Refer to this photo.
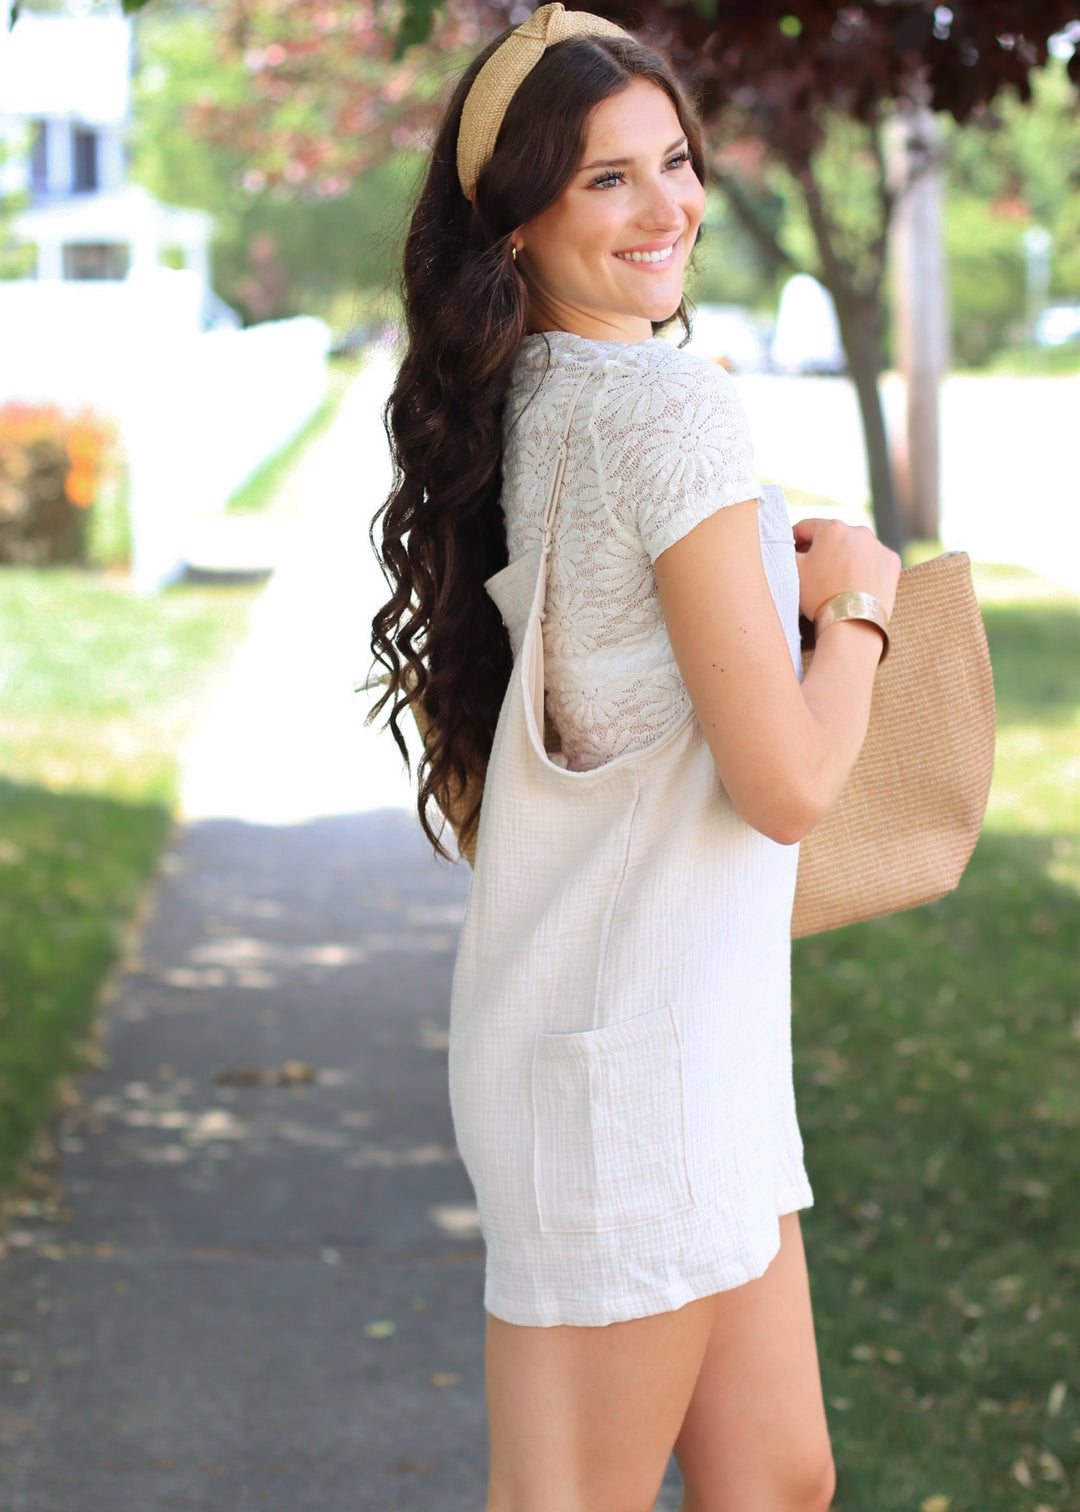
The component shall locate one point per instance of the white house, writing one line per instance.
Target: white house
(65, 101)
(108, 319)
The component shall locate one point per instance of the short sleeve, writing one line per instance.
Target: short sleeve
(673, 445)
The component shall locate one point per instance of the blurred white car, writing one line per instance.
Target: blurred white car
(1058, 325)
(807, 334)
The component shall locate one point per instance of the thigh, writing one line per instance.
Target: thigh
(583, 1419)
(755, 1438)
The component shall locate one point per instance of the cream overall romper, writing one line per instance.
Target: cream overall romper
(620, 1056)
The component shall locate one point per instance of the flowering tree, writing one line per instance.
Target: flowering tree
(311, 94)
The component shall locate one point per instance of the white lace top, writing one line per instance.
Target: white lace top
(659, 442)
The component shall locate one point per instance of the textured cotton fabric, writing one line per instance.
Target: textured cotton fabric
(620, 1058)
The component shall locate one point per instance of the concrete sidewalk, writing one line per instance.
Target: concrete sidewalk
(283, 739)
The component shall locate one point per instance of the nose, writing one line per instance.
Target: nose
(660, 209)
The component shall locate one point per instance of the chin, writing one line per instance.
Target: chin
(663, 310)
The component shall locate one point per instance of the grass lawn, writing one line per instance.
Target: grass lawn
(97, 687)
(938, 1072)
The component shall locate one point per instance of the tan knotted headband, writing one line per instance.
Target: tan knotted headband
(502, 75)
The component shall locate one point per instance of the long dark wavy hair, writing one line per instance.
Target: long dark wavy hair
(438, 640)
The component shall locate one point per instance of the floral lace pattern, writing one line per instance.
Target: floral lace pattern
(658, 443)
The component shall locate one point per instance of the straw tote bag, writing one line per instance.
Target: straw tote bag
(907, 820)
(909, 815)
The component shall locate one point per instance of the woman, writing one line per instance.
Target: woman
(620, 1025)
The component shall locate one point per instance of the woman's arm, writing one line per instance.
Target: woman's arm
(783, 749)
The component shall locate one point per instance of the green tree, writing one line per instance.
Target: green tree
(279, 247)
(1014, 167)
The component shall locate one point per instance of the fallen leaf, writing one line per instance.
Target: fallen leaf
(863, 1352)
(296, 1071)
(1056, 1400)
(289, 1073)
(445, 1378)
(382, 1328)
(935, 1504)
(1051, 1468)
(840, 1403)
(1022, 1473)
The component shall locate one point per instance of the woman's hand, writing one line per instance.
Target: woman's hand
(836, 558)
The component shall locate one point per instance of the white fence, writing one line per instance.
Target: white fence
(197, 411)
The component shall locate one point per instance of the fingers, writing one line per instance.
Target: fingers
(804, 531)
(837, 558)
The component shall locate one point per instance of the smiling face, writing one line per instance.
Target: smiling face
(606, 259)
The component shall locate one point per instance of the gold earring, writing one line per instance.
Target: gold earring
(513, 252)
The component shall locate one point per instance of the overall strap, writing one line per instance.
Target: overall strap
(555, 491)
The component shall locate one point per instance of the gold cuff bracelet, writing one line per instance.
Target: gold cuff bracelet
(863, 606)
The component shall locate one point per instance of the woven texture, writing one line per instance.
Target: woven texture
(502, 75)
(909, 815)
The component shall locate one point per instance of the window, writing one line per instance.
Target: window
(84, 160)
(93, 260)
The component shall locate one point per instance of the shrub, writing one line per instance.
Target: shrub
(52, 467)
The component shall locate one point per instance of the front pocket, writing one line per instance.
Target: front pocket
(610, 1147)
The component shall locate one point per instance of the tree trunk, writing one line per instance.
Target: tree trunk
(860, 321)
(920, 317)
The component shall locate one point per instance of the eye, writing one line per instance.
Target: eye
(609, 180)
(678, 160)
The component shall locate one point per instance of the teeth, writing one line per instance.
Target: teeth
(650, 257)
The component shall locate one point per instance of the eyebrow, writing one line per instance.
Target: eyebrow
(624, 161)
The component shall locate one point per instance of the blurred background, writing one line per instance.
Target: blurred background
(202, 205)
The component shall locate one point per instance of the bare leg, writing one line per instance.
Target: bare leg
(583, 1419)
(755, 1437)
